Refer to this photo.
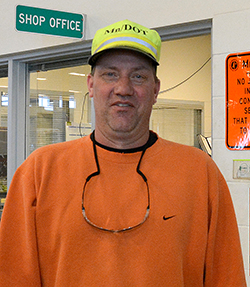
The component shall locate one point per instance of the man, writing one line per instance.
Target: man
(121, 207)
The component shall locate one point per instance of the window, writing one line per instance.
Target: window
(185, 97)
(59, 106)
(3, 140)
(178, 121)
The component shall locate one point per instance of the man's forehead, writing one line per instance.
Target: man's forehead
(115, 56)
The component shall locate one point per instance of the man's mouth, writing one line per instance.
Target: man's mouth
(123, 105)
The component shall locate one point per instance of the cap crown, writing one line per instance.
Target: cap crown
(127, 35)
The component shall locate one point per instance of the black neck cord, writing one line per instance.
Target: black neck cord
(98, 166)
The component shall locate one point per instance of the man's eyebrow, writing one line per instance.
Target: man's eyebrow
(107, 67)
(136, 68)
(142, 67)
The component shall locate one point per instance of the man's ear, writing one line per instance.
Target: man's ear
(157, 89)
(90, 85)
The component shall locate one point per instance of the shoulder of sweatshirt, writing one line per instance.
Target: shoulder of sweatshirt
(61, 148)
(58, 152)
(178, 150)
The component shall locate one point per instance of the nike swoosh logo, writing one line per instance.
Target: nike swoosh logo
(168, 217)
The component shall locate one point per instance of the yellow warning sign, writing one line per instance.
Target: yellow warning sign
(238, 101)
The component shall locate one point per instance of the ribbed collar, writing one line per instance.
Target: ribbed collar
(151, 140)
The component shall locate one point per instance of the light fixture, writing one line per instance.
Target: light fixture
(72, 102)
(77, 74)
(75, 92)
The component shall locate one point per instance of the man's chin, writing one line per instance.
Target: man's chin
(122, 128)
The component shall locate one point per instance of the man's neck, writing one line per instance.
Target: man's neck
(121, 141)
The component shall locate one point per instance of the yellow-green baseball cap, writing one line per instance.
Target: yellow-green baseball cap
(126, 35)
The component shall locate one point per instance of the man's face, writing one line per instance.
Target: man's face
(124, 88)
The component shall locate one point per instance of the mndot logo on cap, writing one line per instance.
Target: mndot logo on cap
(126, 35)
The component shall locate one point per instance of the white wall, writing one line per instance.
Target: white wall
(231, 26)
(155, 13)
(230, 35)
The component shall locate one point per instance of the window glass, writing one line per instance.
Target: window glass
(184, 104)
(3, 140)
(178, 122)
(59, 107)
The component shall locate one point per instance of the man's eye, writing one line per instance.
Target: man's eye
(109, 75)
(138, 78)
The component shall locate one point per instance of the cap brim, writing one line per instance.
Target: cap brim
(93, 59)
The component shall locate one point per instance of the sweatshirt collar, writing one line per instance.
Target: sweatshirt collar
(151, 140)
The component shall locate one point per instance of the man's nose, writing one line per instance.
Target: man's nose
(124, 87)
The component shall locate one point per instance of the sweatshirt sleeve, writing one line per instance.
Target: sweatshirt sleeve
(224, 264)
(19, 264)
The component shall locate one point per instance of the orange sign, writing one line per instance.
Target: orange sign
(238, 101)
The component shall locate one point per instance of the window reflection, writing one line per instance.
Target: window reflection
(59, 108)
(3, 140)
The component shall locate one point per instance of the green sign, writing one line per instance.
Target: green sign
(50, 22)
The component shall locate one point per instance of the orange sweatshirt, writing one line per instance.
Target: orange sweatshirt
(189, 239)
